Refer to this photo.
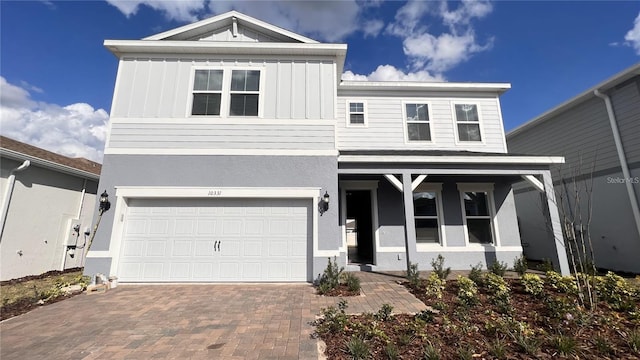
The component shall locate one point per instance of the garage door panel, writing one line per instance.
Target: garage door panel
(173, 240)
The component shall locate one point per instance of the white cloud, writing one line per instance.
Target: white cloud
(391, 73)
(183, 10)
(372, 28)
(632, 38)
(439, 52)
(76, 130)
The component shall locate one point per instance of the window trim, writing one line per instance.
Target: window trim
(436, 188)
(456, 122)
(348, 113)
(225, 99)
(489, 189)
(406, 123)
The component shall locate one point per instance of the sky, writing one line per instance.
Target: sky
(57, 79)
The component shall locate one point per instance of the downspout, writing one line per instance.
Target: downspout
(621, 156)
(7, 196)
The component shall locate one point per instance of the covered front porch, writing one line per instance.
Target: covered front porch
(401, 207)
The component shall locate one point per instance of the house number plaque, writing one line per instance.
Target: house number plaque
(214, 192)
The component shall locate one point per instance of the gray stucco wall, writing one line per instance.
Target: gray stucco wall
(615, 241)
(221, 171)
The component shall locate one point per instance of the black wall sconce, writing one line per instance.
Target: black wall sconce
(104, 202)
(324, 203)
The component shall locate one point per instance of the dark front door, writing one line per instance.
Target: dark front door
(359, 227)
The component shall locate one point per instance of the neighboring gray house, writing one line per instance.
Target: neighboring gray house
(598, 133)
(48, 201)
(236, 153)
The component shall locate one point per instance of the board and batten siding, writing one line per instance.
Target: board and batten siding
(152, 109)
(626, 106)
(385, 128)
(582, 134)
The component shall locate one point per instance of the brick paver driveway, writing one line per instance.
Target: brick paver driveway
(240, 321)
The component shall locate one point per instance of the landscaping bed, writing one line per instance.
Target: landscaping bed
(19, 296)
(493, 318)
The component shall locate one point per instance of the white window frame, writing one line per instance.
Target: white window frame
(348, 113)
(456, 122)
(406, 122)
(493, 222)
(225, 101)
(437, 189)
(193, 91)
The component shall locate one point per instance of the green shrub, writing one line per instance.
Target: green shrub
(533, 284)
(413, 275)
(358, 348)
(464, 353)
(526, 343)
(498, 349)
(330, 278)
(430, 352)
(615, 290)
(352, 281)
(391, 350)
(438, 267)
(546, 265)
(476, 274)
(498, 267)
(633, 340)
(560, 307)
(385, 313)
(435, 285)
(333, 319)
(520, 265)
(566, 345)
(499, 290)
(565, 284)
(425, 315)
(467, 291)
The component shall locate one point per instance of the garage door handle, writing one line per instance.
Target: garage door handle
(219, 243)
(215, 246)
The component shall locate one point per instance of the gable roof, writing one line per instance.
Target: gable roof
(603, 87)
(17, 150)
(230, 19)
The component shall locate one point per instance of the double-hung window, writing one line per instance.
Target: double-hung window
(468, 122)
(207, 92)
(245, 92)
(478, 214)
(417, 118)
(356, 113)
(426, 209)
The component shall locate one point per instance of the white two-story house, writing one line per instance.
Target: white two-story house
(236, 153)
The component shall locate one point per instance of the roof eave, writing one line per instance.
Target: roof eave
(498, 88)
(511, 160)
(48, 164)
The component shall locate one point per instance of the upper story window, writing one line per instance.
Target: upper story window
(417, 118)
(207, 92)
(478, 215)
(215, 90)
(468, 122)
(245, 92)
(356, 113)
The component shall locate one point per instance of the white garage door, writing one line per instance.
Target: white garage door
(180, 240)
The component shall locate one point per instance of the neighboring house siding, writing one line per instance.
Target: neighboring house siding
(385, 125)
(161, 87)
(626, 105)
(580, 134)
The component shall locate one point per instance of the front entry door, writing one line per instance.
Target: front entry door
(359, 227)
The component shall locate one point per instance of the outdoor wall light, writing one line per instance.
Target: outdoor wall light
(324, 203)
(104, 202)
(71, 250)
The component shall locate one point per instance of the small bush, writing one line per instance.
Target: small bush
(476, 274)
(385, 313)
(425, 315)
(333, 319)
(438, 267)
(633, 340)
(499, 290)
(533, 284)
(467, 291)
(435, 286)
(413, 275)
(352, 281)
(357, 348)
(603, 345)
(526, 344)
(520, 265)
(498, 349)
(615, 290)
(546, 265)
(430, 352)
(330, 279)
(391, 350)
(498, 267)
(560, 307)
(565, 284)
(464, 353)
(566, 345)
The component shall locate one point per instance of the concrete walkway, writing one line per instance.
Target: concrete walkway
(239, 321)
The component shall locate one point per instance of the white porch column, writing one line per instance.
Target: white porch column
(409, 222)
(556, 225)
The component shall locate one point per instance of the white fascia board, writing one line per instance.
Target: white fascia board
(119, 47)
(214, 192)
(525, 160)
(603, 86)
(228, 15)
(423, 86)
(49, 164)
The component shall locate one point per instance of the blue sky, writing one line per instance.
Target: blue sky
(57, 79)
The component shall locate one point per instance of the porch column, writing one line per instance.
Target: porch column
(556, 225)
(409, 222)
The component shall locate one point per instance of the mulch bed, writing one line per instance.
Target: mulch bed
(41, 276)
(459, 332)
(341, 290)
